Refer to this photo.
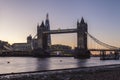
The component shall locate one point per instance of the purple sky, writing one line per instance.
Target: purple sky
(19, 18)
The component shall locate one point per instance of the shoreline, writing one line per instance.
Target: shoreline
(106, 72)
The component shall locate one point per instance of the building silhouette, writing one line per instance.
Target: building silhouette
(25, 46)
(82, 36)
(44, 40)
(81, 51)
(47, 25)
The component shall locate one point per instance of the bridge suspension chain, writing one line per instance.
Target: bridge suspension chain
(102, 43)
(35, 36)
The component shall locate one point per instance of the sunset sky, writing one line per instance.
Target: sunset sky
(19, 18)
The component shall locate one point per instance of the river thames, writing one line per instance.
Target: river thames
(27, 64)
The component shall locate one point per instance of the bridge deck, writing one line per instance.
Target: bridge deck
(60, 31)
(104, 49)
(88, 49)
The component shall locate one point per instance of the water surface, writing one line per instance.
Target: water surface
(27, 64)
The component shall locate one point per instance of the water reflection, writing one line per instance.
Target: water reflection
(81, 62)
(42, 64)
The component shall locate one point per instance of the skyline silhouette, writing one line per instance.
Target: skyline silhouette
(19, 18)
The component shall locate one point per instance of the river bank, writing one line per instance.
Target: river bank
(110, 72)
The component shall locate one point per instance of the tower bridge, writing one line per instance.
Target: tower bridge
(81, 51)
(43, 37)
(42, 40)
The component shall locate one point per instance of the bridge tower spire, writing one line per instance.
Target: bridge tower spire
(82, 20)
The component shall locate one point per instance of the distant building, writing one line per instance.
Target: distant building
(47, 25)
(31, 44)
(29, 39)
(41, 41)
(2, 44)
(60, 47)
(21, 47)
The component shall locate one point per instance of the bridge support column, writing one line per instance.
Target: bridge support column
(102, 55)
(82, 51)
(116, 53)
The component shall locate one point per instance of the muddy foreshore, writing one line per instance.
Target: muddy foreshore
(111, 72)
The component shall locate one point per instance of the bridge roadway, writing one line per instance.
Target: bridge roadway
(104, 49)
(60, 31)
(88, 49)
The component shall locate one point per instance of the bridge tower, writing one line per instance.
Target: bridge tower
(81, 34)
(82, 51)
(42, 45)
(42, 38)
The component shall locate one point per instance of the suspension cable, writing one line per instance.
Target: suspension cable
(101, 43)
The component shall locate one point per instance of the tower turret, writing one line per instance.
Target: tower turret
(82, 20)
(29, 39)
